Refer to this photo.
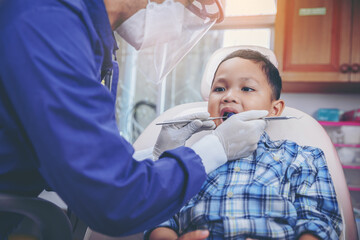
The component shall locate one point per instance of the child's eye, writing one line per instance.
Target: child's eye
(247, 89)
(219, 89)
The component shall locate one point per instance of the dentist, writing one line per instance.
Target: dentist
(57, 121)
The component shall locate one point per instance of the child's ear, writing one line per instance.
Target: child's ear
(277, 107)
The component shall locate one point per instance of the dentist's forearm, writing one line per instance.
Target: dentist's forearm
(211, 152)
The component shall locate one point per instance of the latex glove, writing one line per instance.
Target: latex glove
(175, 135)
(235, 138)
(240, 133)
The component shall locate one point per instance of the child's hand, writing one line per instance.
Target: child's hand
(195, 235)
(163, 233)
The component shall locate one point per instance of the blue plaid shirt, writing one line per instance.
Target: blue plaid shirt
(279, 192)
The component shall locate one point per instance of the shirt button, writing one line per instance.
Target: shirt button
(230, 194)
(276, 158)
(237, 169)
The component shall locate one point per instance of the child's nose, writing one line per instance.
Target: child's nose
(230, 97)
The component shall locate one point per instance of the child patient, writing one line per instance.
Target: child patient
(281, 191)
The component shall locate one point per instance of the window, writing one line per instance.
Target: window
(248, 22)
(259, 36)
(249, 7)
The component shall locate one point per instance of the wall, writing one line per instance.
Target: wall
(309, 103)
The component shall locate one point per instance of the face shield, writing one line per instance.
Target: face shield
(164, 33)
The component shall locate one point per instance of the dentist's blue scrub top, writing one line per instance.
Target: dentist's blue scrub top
(57, 122)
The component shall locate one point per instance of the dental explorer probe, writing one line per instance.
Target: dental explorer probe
(213, 118)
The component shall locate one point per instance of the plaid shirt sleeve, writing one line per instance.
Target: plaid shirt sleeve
(315, 201)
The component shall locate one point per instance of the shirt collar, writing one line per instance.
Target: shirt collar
(273, 144)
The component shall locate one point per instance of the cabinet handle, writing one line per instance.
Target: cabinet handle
(344, 68)
(355, 67)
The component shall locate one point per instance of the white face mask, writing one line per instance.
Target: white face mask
(132, 30)
(164, 33)
(145, 27)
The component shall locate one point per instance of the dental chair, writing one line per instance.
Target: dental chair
(305, 131)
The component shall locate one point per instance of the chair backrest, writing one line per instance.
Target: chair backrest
(305, 131)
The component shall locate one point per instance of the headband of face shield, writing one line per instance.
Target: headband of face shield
(164, 33)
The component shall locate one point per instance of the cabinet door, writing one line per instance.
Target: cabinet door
(313, 39)
(355, 43)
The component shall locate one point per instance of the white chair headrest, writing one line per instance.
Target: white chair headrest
(219, 55)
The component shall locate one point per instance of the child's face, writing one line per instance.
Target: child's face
(241, 85)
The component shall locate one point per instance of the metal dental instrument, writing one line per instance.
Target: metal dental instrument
(187, 121)
(281, 118)
(213, 118)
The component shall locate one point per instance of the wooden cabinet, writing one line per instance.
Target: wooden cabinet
(318, 41)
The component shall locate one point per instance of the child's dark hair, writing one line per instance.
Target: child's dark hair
(269, 69)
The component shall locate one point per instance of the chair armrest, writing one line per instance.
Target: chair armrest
(51, 220)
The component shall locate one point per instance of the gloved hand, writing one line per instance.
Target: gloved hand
(175, 135)
(240, 133)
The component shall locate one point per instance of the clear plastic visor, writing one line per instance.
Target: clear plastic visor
(165, 46)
